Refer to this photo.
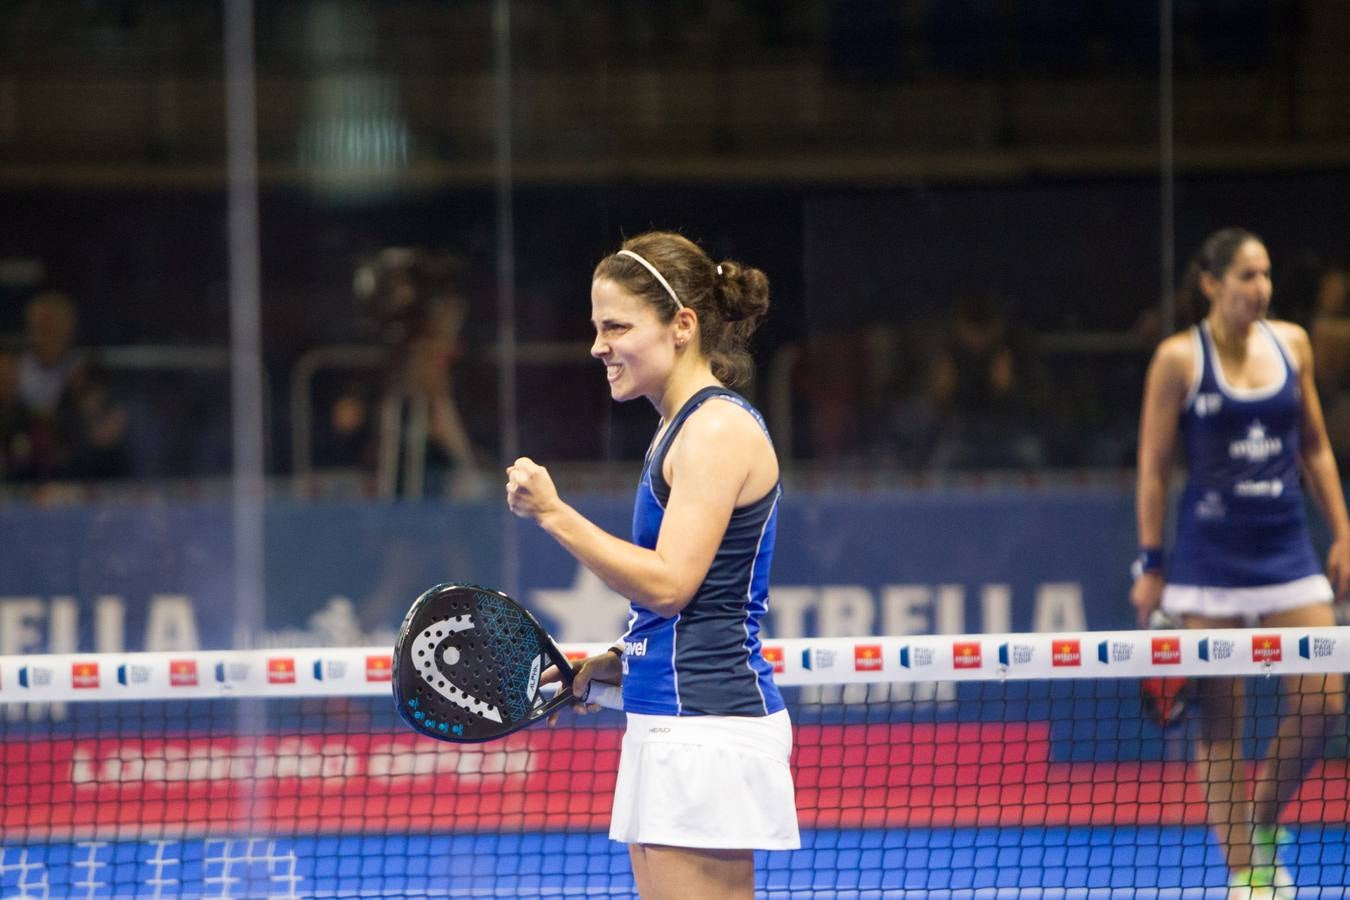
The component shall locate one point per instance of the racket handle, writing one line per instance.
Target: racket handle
(610, 696)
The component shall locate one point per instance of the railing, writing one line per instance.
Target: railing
(403, 419)
(403, 416)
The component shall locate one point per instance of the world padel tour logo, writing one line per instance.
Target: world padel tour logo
(1110, 652)
(914, 657)
(1214, 649)
(84, 675)
(1166, 651)
(34, 677)
(231, 672)
(1266, 648)
(182, 673)
(867, 658)
(774, 656)
(1067, 652)
(281, 670)
(967, 655)
(817, 658)
(1310, 647)
(380, 668)
(1015, 654)
(128, 674)
(330, 670)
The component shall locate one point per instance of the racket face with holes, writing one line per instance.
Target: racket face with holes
(467, 665)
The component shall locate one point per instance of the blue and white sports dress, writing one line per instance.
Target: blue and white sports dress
(1241, 524)
(706, 659)
(705, 757)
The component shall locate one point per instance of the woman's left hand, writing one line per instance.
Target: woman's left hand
(529, 489)
(1338, 567)
(606, 667)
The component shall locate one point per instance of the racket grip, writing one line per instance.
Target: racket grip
(610, 696)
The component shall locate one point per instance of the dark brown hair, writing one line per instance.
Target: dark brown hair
(1213, 256)
(729, 305)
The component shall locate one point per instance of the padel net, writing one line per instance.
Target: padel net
(1013, 765)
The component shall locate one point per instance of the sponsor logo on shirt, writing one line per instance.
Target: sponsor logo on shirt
(1272, 488)
(1211, 506)
(1066, 652)
(1208, 404)
(1257, 446)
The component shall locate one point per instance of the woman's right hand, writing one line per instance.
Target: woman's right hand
(1146, 596)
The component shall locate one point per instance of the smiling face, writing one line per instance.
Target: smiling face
(637, 348)
(1241, 295)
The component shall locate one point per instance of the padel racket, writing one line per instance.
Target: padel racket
(467, 664)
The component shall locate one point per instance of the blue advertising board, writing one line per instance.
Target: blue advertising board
(160, 576)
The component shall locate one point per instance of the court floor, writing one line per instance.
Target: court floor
(941, 864)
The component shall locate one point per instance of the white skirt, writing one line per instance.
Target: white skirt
(712, 782)
(1247, 603)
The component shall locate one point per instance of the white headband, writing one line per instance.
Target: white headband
(655, 274)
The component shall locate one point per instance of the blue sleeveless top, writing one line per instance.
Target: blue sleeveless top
(1241, 521)
(706, 659)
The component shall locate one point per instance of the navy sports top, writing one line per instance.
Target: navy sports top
(1241, 522)
(706, 659)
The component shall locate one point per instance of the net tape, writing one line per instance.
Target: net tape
(365, 671)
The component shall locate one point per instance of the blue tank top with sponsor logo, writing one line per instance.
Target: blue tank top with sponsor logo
(706, 659)
(1241, 521)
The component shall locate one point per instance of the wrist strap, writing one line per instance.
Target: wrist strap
(1150, 559)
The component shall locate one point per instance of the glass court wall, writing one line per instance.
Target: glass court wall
(325, 267)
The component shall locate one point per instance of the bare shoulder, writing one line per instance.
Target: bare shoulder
(1293, 335)
(723, 422)
(725, 437)
(1174, 359)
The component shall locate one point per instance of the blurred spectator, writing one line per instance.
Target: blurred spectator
(16, 424)
(1330, 336)
(51, 358)
(982, 388)
(73, 428)
(93, 428)
(415, 298)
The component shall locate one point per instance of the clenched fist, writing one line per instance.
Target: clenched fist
(529, 489)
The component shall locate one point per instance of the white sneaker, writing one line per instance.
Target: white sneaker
(1262, 883)
(1267, 842)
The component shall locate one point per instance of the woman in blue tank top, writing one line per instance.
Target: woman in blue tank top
(704, 776)
(1236, 391)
